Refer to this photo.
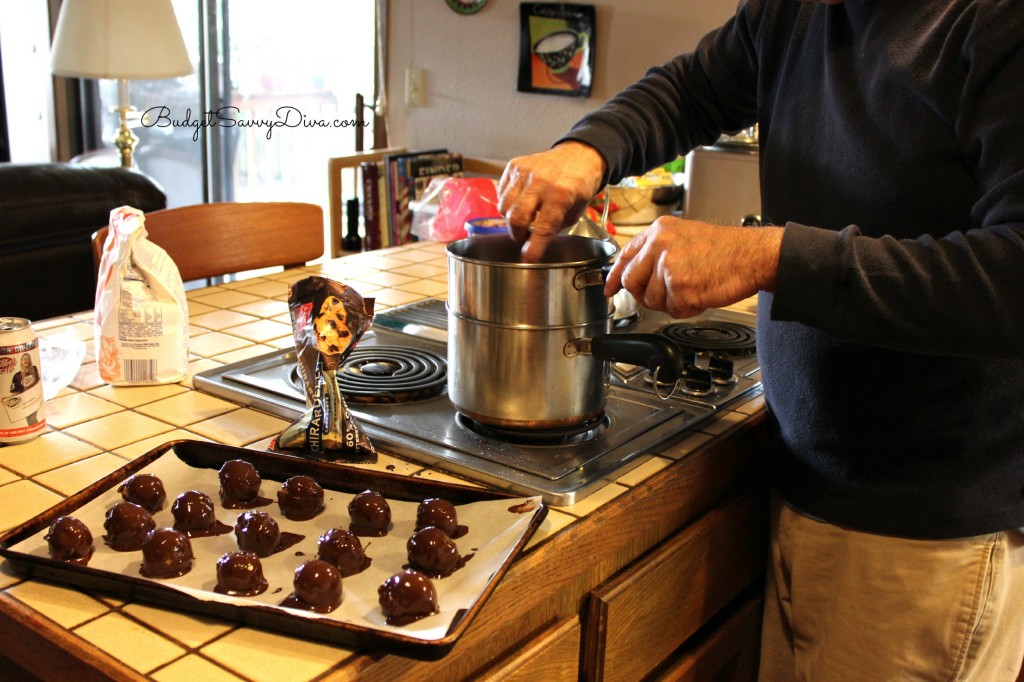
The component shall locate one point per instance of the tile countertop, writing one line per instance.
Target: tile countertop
(94, 429)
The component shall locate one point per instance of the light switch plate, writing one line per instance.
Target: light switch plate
(414, 94)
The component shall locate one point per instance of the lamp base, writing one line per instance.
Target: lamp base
(126, 139)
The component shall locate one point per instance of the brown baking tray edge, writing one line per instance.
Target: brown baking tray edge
(271, 465)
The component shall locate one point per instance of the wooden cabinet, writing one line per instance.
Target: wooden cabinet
(728, 652)
(635, 621)
(552, 656)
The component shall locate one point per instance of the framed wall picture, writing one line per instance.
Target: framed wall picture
(466, 6)
(556, 48)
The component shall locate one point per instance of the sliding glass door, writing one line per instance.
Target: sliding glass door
(272, 98)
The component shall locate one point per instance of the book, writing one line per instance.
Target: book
(374, 222)
(398, 185)
(422, 169)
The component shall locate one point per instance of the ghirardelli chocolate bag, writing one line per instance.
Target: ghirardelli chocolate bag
(328, 319)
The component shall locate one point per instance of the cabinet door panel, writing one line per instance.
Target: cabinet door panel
(553, 656)
(636, 620)
(728, 654)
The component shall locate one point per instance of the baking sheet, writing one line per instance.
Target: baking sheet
(498, 527)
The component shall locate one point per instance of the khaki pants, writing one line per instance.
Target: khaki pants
(844, 606)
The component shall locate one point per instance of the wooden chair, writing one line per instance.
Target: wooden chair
(336, 172)
(213, 240)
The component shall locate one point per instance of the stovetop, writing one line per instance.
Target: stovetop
(563, 470)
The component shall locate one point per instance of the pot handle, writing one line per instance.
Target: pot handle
(591, 278)
(652, 351)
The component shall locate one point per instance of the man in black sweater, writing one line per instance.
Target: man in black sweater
(890, 276)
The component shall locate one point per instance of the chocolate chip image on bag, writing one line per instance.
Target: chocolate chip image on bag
(328, 319)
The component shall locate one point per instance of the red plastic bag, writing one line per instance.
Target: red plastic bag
(463, 199)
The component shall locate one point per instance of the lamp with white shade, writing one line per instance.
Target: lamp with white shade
(121, 40)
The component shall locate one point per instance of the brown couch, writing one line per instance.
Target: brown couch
(48, 213)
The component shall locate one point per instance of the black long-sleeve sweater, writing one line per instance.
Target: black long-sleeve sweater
(892, 150)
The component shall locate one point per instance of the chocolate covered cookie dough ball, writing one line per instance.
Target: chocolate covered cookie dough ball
(239, 483)
(240, 574)
(431, 551)
(166, 553)
(301, 498)
(127, 525)
(406, 597)
(193, 511)
(369, 514)
(343, 549)
(69, 539)
(257, 532)
(318, 585)
(440, 514)
(145, 490)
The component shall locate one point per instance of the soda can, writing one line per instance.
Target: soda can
(23, 413)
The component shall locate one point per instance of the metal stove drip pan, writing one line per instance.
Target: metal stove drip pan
(429, 432)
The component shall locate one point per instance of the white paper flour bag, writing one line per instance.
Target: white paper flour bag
(141, 316)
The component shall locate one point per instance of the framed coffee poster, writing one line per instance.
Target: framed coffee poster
(556, 48)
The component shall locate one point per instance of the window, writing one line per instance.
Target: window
(273, 96)
(25, 86)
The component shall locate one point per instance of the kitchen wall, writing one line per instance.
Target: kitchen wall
(470, 64)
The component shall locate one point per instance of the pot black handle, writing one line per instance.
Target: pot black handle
(652, 351)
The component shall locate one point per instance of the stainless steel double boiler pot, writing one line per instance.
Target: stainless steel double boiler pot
(529, 343)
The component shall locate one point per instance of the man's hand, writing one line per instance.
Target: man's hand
(542, 193)
(684, 267)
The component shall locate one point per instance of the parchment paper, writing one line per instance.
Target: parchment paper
(494, 530)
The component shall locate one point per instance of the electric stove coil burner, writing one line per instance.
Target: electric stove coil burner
(578, 433)
(716, 336)
(391, 374)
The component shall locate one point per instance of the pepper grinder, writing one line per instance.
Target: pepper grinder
(352, 241)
